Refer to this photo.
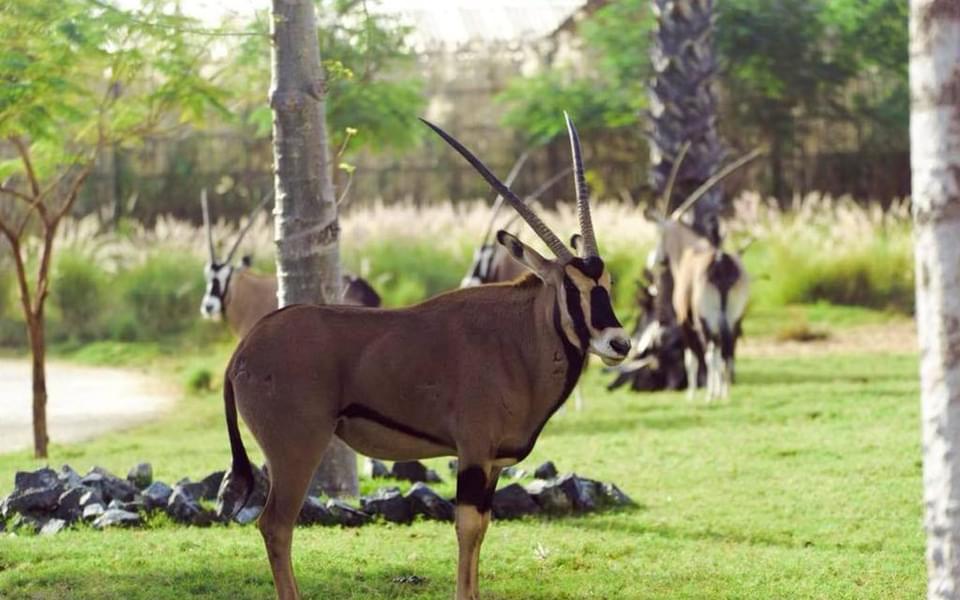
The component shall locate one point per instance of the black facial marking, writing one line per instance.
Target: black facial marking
(472, 489)
(591, 266)
(601, 309)
(359, 411)
(575, 310)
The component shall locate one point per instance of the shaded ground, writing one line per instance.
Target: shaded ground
(83, 401)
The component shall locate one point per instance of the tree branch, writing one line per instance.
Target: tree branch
(27, 164)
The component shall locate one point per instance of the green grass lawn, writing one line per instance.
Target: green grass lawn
(806, 484)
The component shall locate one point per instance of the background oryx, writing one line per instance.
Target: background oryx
(710, 292)
(474, 373)
(242, 297)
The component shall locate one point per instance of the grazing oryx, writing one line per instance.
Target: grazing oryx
(242, 297)
(473, 373)
(710, 293)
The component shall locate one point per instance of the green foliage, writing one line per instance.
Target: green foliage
(407, 271)
(609, 94)
(372, 83)
(79, 293)
(163, 294)
(199, 379)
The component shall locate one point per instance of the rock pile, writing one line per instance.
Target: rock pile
(47, 501)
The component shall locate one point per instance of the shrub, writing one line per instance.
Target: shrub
(78, 292)
(199, 379)
(163, 294)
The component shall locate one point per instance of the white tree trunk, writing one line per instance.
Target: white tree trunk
(307, 229)
(935, 161)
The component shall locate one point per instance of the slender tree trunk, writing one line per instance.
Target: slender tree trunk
(935, 162)
(683, 105)
(307, 229)
(35, 331)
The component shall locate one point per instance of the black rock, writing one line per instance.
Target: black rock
(68, 477)
(512, 502)
(584, 494)
(141, 475)
(90, 496)
(183, 508)
(69, 507)
(53, 526)
(547, 470)
(92, 511)
(313, 512)
(211, 484)
(412, 470)
(390, 504)
(233, 491)
(109, 485)
(32, 523)
(376, 469)
(433, 477)
(346, 515)
(34, 492)
(195, 490)
(157, 495)
(611, 495)
(550, 498)
(426, 502)
(116, 517)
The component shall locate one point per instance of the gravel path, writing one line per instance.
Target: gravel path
(83, 402)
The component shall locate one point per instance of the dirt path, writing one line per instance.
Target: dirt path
(83, 401)
(897, 337)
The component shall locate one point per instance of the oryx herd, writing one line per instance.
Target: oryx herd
(473, 373)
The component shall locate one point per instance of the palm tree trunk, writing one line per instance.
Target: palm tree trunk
(307, 228)
(683, 105)
(935, 163)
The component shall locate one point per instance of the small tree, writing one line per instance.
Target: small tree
(78, 76)
(935, 162)
(307, 229)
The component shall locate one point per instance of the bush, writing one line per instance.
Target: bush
(78, 292)
(408, 270)
(163, 294)
(199, 379)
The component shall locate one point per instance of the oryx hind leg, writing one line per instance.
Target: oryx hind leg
(476, 483)
(293, 452)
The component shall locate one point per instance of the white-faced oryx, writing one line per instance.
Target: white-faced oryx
(473, 373)
(243, 297)
(710, 292)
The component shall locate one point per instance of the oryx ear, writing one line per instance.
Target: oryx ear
(576, 242)
(523, 254)
(246, 261)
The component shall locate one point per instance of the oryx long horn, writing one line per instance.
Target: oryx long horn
(246, 228)
(583, 193)
(498, 203)
(538, 226)
(206, 225)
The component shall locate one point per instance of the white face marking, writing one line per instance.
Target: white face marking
(602, 345)
(480, 268)
(211, 307)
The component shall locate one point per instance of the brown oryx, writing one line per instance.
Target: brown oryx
(473, 373)
(243, 297)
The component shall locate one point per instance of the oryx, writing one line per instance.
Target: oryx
(710, 292)
(243, 297)
(473, 373)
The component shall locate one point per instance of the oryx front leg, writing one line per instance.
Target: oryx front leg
(692, 364)
(475, 486)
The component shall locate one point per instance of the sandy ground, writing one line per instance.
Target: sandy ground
(896, 337)
(83, 401)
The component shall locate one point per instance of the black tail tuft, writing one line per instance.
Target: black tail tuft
(239, 483)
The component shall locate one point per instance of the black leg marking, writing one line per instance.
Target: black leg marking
(472, 488)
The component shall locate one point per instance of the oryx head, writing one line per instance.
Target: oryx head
(218, 272)
(581, 282)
